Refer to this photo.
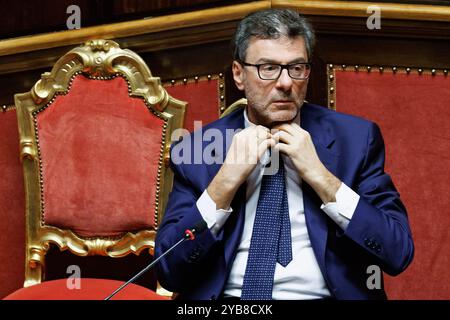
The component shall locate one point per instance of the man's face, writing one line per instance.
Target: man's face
(271, 102)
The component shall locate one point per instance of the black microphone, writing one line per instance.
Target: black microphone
(189, 234)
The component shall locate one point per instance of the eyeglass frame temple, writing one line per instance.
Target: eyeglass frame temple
(283, 66)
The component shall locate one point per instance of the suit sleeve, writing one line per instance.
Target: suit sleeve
(380, 223)
(178, 269)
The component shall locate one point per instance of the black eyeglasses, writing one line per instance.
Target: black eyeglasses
(272, 71)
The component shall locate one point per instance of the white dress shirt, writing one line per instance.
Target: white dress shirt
(301, 278)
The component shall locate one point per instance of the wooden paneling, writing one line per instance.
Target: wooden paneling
(174, 46)
(399, 11)
(38, 16)
(346, 40)
(186, 44)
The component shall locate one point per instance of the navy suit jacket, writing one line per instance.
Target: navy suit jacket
(353, 150)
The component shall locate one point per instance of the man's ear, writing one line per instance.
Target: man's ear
(238, 75)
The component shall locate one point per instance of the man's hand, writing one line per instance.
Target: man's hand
(297, 144)
(247, 148)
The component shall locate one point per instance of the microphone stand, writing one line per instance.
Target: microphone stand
(189, 234)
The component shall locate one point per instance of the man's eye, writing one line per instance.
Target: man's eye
(298, 68)
(269, 67)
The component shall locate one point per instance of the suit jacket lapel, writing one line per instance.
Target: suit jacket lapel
(316, 220)
(232, 123)
(235, 224)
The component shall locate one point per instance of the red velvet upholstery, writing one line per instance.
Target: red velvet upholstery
(12, 206)
(203, 100)
(93, 135)
(414, 115)
(89, 289)
(87, 142)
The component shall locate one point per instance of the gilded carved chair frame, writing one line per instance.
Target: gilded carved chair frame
(241, 103)
(97, 59)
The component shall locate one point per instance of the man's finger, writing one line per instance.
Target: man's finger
(263, 146)
(263, 132)
(283, 136)
(282, 147)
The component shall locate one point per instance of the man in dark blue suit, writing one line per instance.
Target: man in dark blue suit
(328, 223)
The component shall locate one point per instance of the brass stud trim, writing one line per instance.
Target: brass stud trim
(149, 107)
(331, 85)
(161, 156)
(220, 77)
(36, 131)
(355, 68)
(393, 69)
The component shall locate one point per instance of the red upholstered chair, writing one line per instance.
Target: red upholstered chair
(411, 106)
(94, 137)
(12, 204)
(205, 95)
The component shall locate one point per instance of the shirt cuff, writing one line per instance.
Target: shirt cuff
(215, 219)
(343, 209)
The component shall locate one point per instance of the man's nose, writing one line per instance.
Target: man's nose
(284, 81)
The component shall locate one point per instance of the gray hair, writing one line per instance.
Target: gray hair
(271, 24)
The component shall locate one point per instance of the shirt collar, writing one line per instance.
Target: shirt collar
(265, 159)
(247, 122)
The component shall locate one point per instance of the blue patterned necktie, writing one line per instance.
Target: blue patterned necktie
(271, 238)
